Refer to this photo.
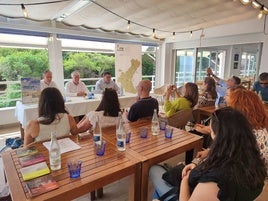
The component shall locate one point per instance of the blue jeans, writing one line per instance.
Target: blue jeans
(160, 185)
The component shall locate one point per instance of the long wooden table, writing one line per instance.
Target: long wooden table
(204, 112)
(97, 171)
(154, 149)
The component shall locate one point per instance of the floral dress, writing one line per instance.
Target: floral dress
(262, 140)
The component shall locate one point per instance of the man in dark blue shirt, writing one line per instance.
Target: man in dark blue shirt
(145, 105)
(261, 86)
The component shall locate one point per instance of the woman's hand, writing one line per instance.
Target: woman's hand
(202, 154)
(186, 170)
(202, 129)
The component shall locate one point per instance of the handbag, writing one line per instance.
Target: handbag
(173, 175)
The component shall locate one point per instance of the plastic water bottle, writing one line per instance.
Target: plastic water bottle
(97, 133)
(155, 123)
(121, 134)
(54, 153)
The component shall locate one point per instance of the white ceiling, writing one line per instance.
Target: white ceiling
(166, 16)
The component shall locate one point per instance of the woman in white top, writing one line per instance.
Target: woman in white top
(107, 112)
(52, 117)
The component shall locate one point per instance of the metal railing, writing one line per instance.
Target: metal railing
(6, 89)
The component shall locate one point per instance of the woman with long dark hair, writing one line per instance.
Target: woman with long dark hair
(52, 116)
(209, 94)
(107, 111)
(233, 169)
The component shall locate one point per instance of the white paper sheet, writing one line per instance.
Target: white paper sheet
(66, 145)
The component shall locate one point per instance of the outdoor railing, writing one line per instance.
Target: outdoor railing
(15, 94)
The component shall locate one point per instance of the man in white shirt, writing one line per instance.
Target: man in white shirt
(106, 82)
(75, 87)
(47, 80)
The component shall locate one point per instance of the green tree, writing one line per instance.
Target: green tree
(148, 64)
(88, 64)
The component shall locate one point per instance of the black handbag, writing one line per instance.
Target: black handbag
(173, 175)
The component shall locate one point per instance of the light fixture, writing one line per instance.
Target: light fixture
(128, 25)
(191, 34)
(153, 32)
(245, 2)
(24, 11)
(173, 35)
(260, 15)
(256, 4)
(265, 10)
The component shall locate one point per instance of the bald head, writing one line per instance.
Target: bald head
(144, 88)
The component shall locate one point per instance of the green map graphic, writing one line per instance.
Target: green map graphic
(126, 77)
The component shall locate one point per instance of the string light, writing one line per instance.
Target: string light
(24, 11)
(191, 34)
(263, 10)
(128, 25)
(25, 14)
(260, 15)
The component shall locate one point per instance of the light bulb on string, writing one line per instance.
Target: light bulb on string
(191, 34)
(260, 15)
(24, 11)
(153, 32)
(128, 25)
(173, 35)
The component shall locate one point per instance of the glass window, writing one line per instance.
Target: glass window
(184, 69)
(210, 58)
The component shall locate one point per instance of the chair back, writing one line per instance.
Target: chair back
(179, 119)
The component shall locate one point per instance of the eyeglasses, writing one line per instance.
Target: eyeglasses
(264, 83)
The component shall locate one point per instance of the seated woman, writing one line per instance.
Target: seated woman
(209, 94)
(52, 116)
(249, 104)
(107, 112)
(188, 99)
(229, 171)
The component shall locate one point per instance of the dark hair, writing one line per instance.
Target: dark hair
(234, 149)
(191, 93)
(106, 73)
(51, 103)
(109, 103)
(237, 80)
(263, 76)
(211, 86)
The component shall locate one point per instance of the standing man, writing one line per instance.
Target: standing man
(223, 85)
(106, 82)
(145, 105)
(75, 87)
(261, 86)
(47, 80)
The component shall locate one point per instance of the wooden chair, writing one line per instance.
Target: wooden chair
(179, 119)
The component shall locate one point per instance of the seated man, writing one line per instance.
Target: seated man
(261, 86)
(223, 85)
(106, 82)
(145, 105)
(75, 87)
(47, 80)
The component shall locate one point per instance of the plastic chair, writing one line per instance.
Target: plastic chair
(179, 119)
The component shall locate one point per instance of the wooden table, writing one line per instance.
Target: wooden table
(204, 112)
(97, 171)
(154, 149)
